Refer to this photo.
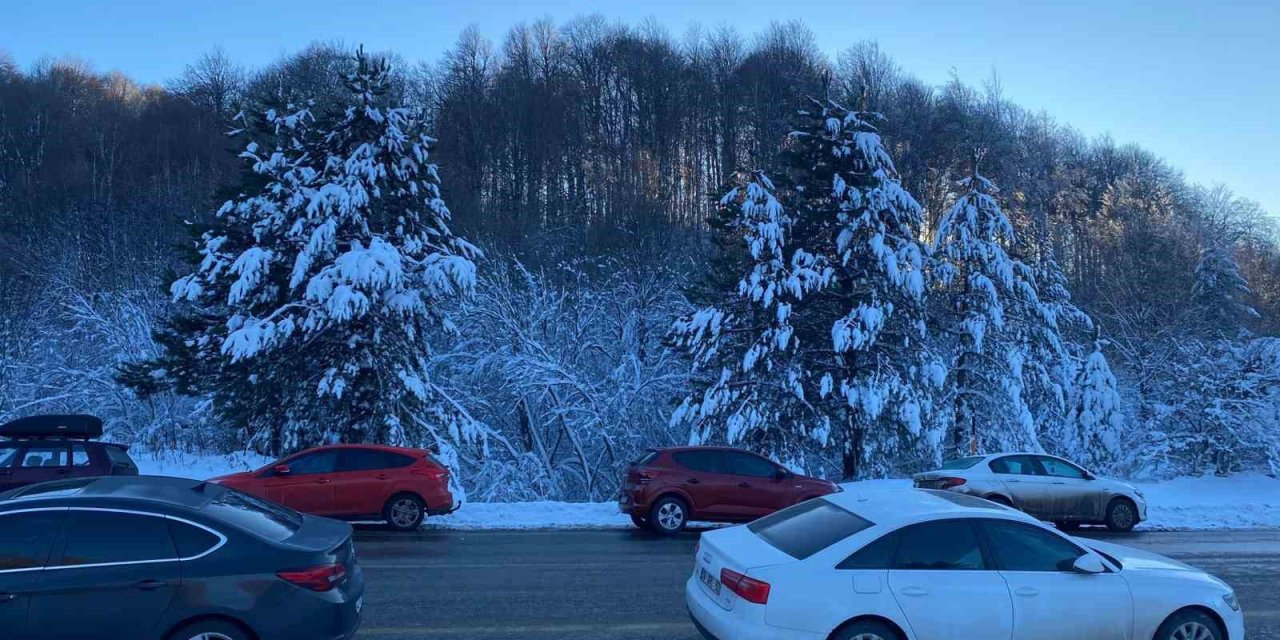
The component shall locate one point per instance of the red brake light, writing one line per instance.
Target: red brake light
(319, 578)
(947, 483)
(748, 589)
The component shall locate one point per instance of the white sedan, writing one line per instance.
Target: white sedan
(916, 564)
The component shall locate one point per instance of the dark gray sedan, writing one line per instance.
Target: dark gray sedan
(170, 559)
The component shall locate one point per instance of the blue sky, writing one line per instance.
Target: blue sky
(1195, 81)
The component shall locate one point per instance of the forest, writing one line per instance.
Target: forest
(541, 256)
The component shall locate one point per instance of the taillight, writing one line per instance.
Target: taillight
(947, 483)
(644, 477)
(748, 589)
(319, 578)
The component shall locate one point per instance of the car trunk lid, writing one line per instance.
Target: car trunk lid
(736, 549)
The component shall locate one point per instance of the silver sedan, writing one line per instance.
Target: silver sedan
(1047, 487)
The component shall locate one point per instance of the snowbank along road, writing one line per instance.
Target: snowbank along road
(629, 585)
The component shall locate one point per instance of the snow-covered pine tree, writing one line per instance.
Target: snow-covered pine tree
(882, 364)
(1219, 293)
(754, 387)
(1095, 423)
(987, 293)
(308, 315)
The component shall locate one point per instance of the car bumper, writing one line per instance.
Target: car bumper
(742, 623)
(454, 505)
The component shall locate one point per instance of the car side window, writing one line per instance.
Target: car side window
(44, 456)
(1022, 547)
(8, 454)
(941, 545)
(702, 461)
(745, 464)
(27, 538)
(1059, 468)
(191, 541)
(877, 555)
(1016, 465)
(80, 456)
(107, 537)
(318, 462)
(369, 460)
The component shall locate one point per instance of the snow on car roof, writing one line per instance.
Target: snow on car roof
(887, 505)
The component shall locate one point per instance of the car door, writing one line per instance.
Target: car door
(28, 538)
(1071, 494)
(308, 487)
(1025, 481)
(364, 480)
(760, 489)
(8, 459)
(114, 575)
(704, 475)
(1047, 593)
(42, 462)
(945, 586)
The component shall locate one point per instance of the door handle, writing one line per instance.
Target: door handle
(151, 585)
(744, 485)
(914, 591)
(1059, 482)
(322, 481)
(382, 476)
(1027, 591)
(63, 472)
(693, 481)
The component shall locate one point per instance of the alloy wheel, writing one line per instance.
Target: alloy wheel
(671, 516)
(1122, 515)
(867, 636)
(405, 512)
(211, 635)
(1193, 630)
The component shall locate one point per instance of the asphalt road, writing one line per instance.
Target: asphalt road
(628, 585)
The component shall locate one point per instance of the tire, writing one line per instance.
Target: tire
(209, 630)
(1190, 624)
(1122, 515)
(640, 521)
(404, 512)
(867, 630)
(999, 499)
(1068, 525)
(669, 515)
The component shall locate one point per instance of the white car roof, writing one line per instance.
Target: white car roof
(893, 506)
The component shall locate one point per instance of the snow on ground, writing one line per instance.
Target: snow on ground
(1244, 501)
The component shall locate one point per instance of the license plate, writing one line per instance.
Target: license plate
(709, 580)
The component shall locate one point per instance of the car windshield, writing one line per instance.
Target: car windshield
(961, 463)
(259, 516)
(809, 527)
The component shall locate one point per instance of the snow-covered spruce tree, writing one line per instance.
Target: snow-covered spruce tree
(820, 347)
(755, 386)
(1095, 423)
(983, 287)
(1219, 294)
(308, 314)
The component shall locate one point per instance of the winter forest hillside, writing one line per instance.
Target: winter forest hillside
(543, 255)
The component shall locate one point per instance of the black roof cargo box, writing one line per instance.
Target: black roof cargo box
(72, 426)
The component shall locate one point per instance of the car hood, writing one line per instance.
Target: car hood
(1137, 559)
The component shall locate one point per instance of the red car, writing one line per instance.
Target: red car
(354, 482)
(666, 488)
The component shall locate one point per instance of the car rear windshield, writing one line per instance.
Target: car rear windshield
(644, 459)
(961, 463)
(256, 515)
(808, 527)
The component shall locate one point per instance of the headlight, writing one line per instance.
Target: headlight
(1230, 599)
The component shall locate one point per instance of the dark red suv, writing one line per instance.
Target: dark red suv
(666, 488)
(354, 482)
(43, 448)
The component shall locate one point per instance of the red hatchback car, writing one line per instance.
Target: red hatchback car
(354, 482)
(666, 488)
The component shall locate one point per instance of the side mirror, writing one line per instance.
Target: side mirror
(281, 470)
(780, 475)
(1088, 563)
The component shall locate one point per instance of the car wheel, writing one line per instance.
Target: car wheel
(1068, 525)
(1122, 515)
(669, 515)
(209, 630)
(867, 630)
(999, 499)
(1191, 624)
(640, 521)
(404, 512)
